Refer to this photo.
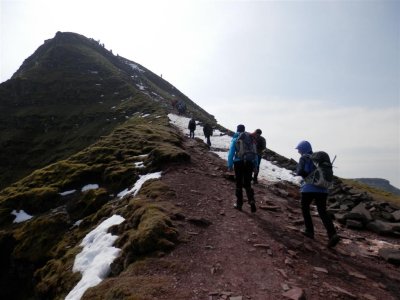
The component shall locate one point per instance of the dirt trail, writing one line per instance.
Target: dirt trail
(228, 254)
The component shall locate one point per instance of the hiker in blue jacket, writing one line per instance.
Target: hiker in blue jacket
(243, 172)
(310, 192)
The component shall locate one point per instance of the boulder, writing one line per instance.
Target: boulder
(295, 294)
(360, 213)
(396, 215)
(384, 228)
(391, 255)
(354, 224)
(341, 217)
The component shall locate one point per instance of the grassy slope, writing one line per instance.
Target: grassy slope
(48, 243)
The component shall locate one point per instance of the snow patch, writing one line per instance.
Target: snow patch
(66, 193)
(138, 185)
(141, 87)
(139, 164)
(136, 67)
(21, 216)
(96, 257)
(90, 187)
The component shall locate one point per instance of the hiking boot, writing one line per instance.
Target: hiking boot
(308, 234)
(237, 206)
(333, 240)
(253, 207)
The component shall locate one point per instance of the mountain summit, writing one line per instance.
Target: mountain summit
(105, 197)
(66, 95)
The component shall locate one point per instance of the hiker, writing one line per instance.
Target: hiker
(310, 192)
(208, 132)
(192, 128)
(261, 146)
(181, 106)
(243, 166)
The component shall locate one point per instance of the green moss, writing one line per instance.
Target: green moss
(36, 238)
(55, 278)
(155, 189)
(148, 229)
(147, 278)
(119, 175)
(167, 153)
(89, 203)
(132, 288)
(33, 201)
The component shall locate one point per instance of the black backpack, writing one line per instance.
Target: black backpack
(322, 176)
(192, 124)
(246, 147)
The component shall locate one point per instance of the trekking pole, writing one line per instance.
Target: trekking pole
(333, 160)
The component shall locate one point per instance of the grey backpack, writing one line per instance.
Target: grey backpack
(322, 176)
(246, 147)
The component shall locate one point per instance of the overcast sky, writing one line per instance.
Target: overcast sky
(325, 71)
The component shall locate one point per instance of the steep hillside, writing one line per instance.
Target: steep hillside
(67, 95)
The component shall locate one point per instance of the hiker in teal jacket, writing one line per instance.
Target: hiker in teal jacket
(309, 193)
(243, 173)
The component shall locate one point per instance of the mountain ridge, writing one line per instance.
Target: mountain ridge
(380, 183)
(66, 95)
(179, 229)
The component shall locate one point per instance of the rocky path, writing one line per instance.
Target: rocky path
(227, 254)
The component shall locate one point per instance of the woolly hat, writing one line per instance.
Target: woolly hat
(259, 131)
(240, 128)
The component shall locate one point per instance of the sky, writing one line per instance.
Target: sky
(323, 71)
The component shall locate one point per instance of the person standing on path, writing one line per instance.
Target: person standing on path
(208, 132)
(243, 168)
(309, 193)
(192, 128)
(261, 146)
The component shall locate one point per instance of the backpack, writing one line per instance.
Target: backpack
(245, 147)
(261, 144)
(322, 176)
(208, 130)
(192, 124)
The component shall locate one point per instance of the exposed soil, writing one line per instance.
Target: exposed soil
(227, 254)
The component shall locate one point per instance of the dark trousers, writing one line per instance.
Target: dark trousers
(320, 202)
(208, 140)
(258, 168)
(243, 172)
(191, 134)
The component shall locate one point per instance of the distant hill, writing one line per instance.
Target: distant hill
(380, 183)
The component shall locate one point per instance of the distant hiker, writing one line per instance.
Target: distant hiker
(242, 157)
(192, 127)
(310, 192)
(208, 132)
(181, 106)
(261, 146)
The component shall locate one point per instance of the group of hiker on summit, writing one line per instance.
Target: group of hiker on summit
(244, 157)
